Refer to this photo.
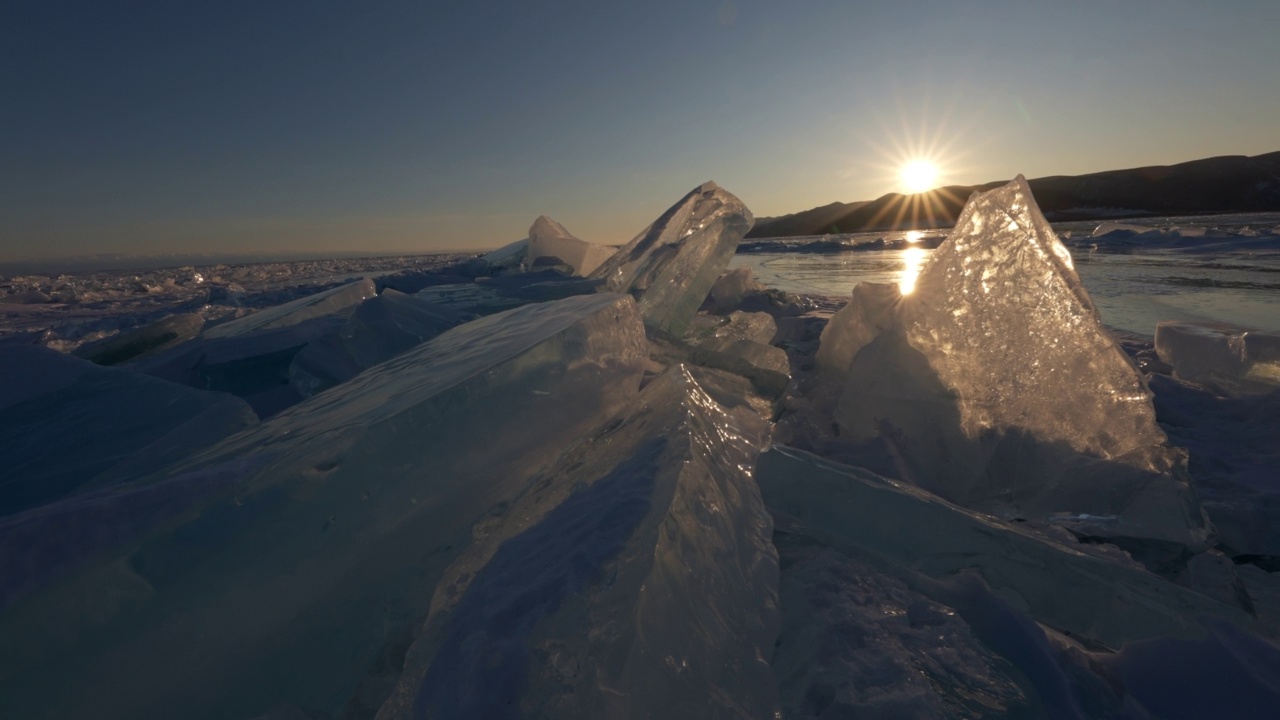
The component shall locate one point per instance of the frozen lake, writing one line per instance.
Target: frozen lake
(1133, 287)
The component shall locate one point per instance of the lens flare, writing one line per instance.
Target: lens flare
(918, 176)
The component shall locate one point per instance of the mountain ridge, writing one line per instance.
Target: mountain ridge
(1221, 184)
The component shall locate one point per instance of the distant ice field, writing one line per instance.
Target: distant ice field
(1230, 274)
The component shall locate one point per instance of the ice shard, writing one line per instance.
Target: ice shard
(152, 338)
(338, 300)
(671, 266)
(909, 531)
(1225, 358)
(635, 579)
(69, 424)
(322, 533)
(381, 328)
(739, 344)
(999, 389)
(732, 289)
(550, 243)
(509, 256)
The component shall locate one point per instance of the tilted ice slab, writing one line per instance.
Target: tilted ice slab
(635, 579)
(913, 531)
(68, 424)
(549, 241)
(328, 302)
(153, 338)
(507, 256)
(1226, 358)
(325, 530)
(998, 388)
(739, 344)
(254, 366)
(381, 328)
(672, 265)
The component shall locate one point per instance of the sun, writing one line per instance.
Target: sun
(918, 176)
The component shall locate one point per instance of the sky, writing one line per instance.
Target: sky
(316, 127)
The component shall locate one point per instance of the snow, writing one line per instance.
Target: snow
(997, 386)
(1226, 358)
(671, 266)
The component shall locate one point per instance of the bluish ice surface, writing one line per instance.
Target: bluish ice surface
(1135, 284)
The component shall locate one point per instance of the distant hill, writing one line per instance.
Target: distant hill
(1227, 184)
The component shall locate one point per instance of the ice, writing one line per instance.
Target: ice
(732, 289)
(338, 300)
(70, 424)
(635, 579)
(152, 338)
(254, 366)
(856, 642)
(671, 266)
(1225, 358)
(510, 255)
(26, 297)
(550, 243)
(487, 295)
(739, 344)
(1234, 456)
(321, 534)
(996, 385)
(868, 313)
(912, 531)
(1123, 230)
(381, 328)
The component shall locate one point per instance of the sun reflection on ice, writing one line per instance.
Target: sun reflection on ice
(912, 259)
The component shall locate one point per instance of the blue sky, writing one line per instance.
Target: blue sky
(318, 126)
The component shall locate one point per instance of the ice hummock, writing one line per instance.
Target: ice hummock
(1225, 358)
(312, 542)
(338, 300)
(69, 424)
(740, 344)
(997, 387)
(672, 265)
(550, 243)
(635, 579)
(157, 336)
(381, 328)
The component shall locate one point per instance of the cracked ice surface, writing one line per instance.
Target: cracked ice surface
(1000, 389)
(325, 533)
(672, 265)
